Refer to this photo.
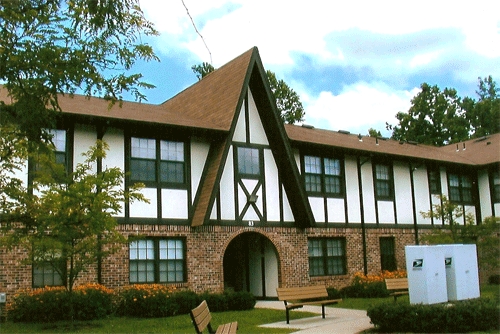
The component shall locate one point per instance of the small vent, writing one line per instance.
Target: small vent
(345, 132)
(307, 126)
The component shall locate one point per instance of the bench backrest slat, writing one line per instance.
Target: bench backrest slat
(396, 283)
(300, 293)
(201, 316)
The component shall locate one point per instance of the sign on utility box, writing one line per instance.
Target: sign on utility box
(441, 273)
(426, 274)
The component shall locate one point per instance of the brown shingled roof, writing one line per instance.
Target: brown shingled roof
(477, 154)
(214, 98)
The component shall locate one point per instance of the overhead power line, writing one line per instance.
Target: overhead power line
(196, 29)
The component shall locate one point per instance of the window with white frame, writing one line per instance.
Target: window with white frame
(323, 175)
(327, 256)
(157, 261)
(460, 188)
(383, 182)
(155, 161)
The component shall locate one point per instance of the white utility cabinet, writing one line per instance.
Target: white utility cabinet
(462, 275)
(426, 274)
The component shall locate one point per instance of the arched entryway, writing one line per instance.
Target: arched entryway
(251, 264)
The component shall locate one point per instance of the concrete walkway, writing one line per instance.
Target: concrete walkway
(338, 320)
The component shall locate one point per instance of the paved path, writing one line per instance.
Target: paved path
(338, 320)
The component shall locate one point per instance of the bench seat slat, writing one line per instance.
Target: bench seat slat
(229, 328)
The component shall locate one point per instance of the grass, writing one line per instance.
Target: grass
(248, 321)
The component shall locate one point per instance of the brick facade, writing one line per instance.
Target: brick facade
(205, 254)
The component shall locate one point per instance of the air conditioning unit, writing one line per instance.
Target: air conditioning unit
(3, 298)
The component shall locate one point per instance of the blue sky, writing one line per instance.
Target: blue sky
(354, 64)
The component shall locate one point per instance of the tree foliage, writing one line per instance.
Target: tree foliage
(442, 117)
(65, 220)
(51, 47)
(287, 100)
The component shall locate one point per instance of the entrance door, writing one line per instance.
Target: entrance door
(251, 264)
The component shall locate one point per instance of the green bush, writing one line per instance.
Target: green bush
(334, 293)
(494, 279)
(145, 301)
(365, 290)
(90, 301)
(240, 301)
(458, 317)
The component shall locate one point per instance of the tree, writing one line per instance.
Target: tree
(435, 118)
(442, 117)
(449, 212)
(484, 115)
(287, 100)
(374, 133)
(67, 220)
(52, 47)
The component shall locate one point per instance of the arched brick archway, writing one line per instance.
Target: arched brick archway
(251, 263)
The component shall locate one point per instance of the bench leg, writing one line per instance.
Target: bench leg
(323, 310)
(287, 316)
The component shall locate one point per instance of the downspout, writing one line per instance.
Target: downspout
(412, 186)
(362, 212)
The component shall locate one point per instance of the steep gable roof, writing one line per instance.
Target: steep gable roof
(214, 99)
(218, 98)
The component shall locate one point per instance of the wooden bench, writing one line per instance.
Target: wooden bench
(397, 287)
(309, 295)
(201, 319)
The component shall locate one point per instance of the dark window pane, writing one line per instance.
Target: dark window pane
(313, 183)
(143, 170)
(172, 172)
(332, 185)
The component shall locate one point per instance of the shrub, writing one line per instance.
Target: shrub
(334, 293)
(145, 301)
(370, 286)
(458, 317)
(49, 304)
(239, 301)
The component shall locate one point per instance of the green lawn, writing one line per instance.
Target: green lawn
(248, 321)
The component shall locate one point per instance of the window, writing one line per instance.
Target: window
(327, 256)
(157, 261)
(248, 161)
(496, 186)
(323, 175)
(460, 188)
(383, 182)
(46, 275)
(434, 182)
(157, 161)
(387, 254)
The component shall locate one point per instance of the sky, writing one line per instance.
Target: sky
(354, 64)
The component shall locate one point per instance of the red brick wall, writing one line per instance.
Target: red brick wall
(205, 253)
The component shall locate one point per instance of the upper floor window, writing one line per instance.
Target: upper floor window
(323, 175)
(59, 141)
(157, 161)
(248, 161)
(383, 182)
(327, 256)
(460, 188)
(434, 182)
(157, 261)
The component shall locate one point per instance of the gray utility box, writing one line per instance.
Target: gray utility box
(441, 273)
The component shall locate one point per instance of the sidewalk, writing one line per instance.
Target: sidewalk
(338, 320)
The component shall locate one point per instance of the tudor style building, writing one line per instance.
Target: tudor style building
(239, 200)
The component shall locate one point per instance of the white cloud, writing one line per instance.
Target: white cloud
(358, 107)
